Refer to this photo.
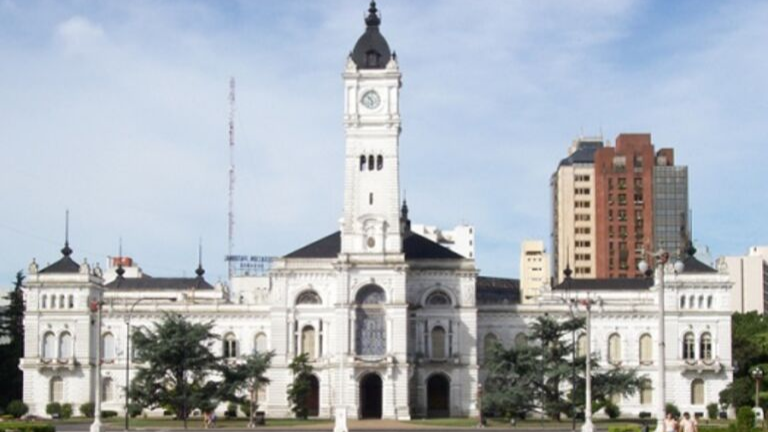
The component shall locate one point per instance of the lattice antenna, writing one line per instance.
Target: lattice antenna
(231, 228)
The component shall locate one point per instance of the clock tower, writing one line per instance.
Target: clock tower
(371, 222)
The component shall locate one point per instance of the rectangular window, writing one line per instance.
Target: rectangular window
(622, 183)
(622, 199)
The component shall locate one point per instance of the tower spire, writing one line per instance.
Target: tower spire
(373, 18)
(120, 271)
(66, 250)
(200, 271)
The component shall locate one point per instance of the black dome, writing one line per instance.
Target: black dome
(371, 50)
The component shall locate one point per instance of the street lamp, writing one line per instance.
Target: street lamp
(480, 405)
(567, 273)
(588, 426)
(757, 375)
(661, 258)
(96, 426)
(128, 348)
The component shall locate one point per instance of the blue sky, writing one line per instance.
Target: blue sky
(118, 111)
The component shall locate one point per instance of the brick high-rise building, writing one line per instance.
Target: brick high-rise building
(624, 199)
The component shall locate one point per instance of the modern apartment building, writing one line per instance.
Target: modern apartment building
(534, 269)
(613, 203)
(749, 275)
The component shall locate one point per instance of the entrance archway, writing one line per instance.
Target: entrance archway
(438, 396)
(370, 396)
(313, 399)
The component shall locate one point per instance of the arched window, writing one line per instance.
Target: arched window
(371, 330)
(71, 301)
(370, 163)
(53, 302)
(260, 343)
(646, 392)
(372, 58)
(438, 343)
(682, 302)
(61, 301)
(56, 390)
(108, 347)
(691, 301)
(65, 346)
(521, 340)
(438, 298)
(489, 342)
(49, 346)
(308, 342)
(362, 163)
(379, 162)
(705, 347)
(107, 389)
(646, 349)
(308, 297)
(230, 346)
(44, 303)
(701, 302)
(709, 302)
(614, 349)
(689, 346)
(581, 346)
(697, 392)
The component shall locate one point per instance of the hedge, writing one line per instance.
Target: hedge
(624, 428)
(26, 427)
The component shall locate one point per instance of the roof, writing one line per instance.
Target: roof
(585, 154)
(494, 291)
(64, 265)
(159, 283)
(622, 284)
(371, 50)
(414, 247)
(694, 266)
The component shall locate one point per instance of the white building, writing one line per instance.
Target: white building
(396, 325)
(461, 239)
(749, 274)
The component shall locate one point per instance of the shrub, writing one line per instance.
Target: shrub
(53, 409)
(624, 428)
(135, 410)
(645, 415)
(246, 409)
(612, 411)
(671, 408)
(231, 411)
(108, 414)
(87, 409)
(17, 408)
(745, 420)
(66, 410)
(712, 411)
(26, 427)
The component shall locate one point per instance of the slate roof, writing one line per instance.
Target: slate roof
(622, 284)
(64, 265)
(414, 246)
(371, 42)
(497, 291)
(694, 266)
(585, 154)
(159, 283)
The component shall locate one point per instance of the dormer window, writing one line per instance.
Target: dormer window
(372, 59)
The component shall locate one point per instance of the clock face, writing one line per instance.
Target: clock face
(371, 242)
(371, 99)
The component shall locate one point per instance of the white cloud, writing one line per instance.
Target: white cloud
(78, 35)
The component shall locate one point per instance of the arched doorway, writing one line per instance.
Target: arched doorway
(313, 399)
(438, 396)
(370, 396)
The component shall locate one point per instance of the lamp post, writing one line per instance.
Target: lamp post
(96, 426)
(757, 375)
(662, 258)
(480, 405)
(567, 272)
(128, 349)
(588, 426)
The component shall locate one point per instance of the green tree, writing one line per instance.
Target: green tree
(299, 389)
(749, 338)
(176, 359)
(530, 378)
(241, 381)
(12, 328)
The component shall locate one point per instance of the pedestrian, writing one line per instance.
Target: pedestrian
(686, 424)
(670, 424)
(206, 419)
(213, 419)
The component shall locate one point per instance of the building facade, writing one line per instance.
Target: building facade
(395, 325)
(749, 275)
(612, 203)
(534, 270)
